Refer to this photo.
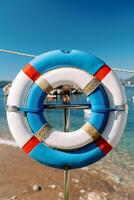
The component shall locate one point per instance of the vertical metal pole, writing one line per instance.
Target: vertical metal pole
(66, 184)
(66, 100)
(66, 119)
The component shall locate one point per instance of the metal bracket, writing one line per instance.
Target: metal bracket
(12, 108)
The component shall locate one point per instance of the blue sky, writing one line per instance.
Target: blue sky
(104, 28)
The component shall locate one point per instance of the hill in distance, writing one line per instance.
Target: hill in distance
(4, 83)
(131, 79)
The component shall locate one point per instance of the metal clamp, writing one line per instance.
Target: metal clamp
(12, 108)
(123, 107)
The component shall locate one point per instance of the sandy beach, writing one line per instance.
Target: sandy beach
(18, 174)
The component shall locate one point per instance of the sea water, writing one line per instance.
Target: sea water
(119, 163)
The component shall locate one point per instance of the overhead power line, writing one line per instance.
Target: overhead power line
(33, 56)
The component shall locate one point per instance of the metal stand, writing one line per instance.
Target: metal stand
(66, 119)
(66, 184)
(66, 101)
(66, 171)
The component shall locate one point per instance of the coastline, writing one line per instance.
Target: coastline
(18, 173)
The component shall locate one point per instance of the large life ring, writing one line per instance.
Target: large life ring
(95, 138)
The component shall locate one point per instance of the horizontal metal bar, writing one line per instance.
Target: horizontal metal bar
(68, 106)
(63, 106)
(49, 106)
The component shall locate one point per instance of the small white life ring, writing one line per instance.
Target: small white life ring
(56, 78)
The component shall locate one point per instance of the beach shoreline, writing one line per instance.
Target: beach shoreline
(18, 173)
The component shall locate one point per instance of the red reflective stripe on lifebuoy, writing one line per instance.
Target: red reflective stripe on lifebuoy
(31, 72)
(102, 72)
(103, 145)
(33, 142)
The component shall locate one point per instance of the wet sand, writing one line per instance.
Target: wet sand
(18, 173)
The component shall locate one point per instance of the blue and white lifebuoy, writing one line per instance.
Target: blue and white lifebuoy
(95, 138)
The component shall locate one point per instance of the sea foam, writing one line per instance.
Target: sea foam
(8, 142)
